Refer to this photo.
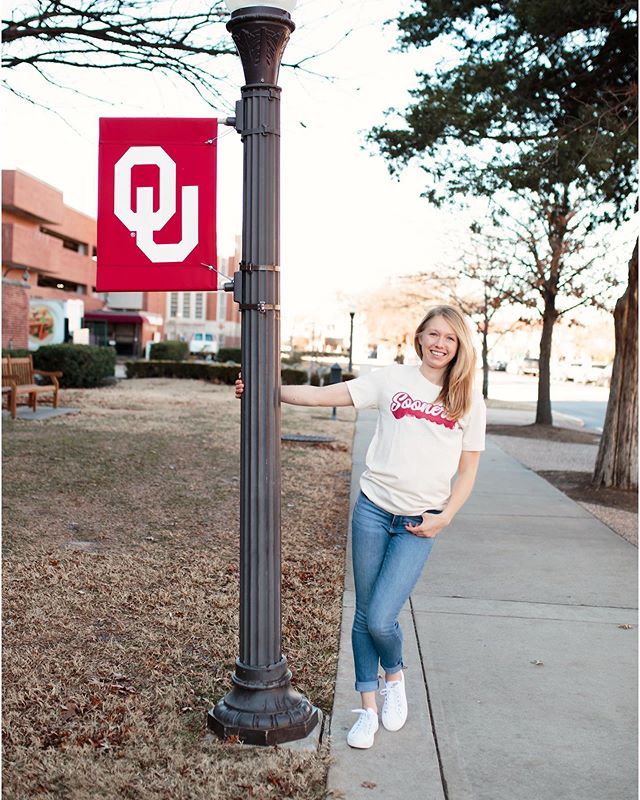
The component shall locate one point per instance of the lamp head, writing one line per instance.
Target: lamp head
(261, 31)
(284, 5)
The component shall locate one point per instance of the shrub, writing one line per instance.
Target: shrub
(204, 371)
(16, 353)
(169, 350)
(346, 376)
(294, 377)
(82, 365)
(294, 357)
(228, 354)
(314, 379)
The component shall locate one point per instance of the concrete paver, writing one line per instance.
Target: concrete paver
(521, 729)
(524, 574)
(366, 774)
(41, 413)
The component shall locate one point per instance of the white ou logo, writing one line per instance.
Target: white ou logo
(144, 221)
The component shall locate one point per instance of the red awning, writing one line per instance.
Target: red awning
(114, 316)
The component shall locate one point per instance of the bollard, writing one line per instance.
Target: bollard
(335, 377)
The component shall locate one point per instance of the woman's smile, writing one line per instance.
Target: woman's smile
(439, 343)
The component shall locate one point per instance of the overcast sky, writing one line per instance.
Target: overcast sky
(346, 224)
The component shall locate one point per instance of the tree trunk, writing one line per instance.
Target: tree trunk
(617, 462)
(485, 359)
(543, 410)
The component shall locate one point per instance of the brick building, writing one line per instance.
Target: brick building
(48, 266)
(48, 283)
(206, 316)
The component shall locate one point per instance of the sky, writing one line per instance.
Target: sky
(346, 224)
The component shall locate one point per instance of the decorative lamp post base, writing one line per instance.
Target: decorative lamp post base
(263, 708)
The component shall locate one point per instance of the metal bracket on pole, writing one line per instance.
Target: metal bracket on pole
(260, 306)
(246, 266)
(263, 130)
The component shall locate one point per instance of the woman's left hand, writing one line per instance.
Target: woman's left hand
(430, 526)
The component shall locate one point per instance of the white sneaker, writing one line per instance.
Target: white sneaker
(362, 733)
(394, 710)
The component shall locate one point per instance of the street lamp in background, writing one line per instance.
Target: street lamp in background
(352, 315)
(261, 708)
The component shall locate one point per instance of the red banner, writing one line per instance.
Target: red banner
(157, 205)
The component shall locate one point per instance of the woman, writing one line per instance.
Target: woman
(431, 427)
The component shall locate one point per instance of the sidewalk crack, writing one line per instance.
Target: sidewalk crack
(443, 780)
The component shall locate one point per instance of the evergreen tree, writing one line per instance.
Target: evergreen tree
(537, 102)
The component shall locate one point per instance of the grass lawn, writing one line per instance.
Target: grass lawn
(120, 586)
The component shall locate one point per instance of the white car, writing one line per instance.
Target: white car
(577, 371)
(203, 344)
(600, 374)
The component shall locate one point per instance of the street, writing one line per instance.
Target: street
(585, 401)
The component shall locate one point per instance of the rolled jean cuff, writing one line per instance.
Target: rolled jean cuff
(391, 670)
(367, 686)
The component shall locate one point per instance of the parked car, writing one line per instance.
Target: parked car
(600, 374)
(530, 366)
(577, 371)
(203, 344)
(498, 366)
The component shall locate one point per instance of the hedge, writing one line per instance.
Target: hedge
(169, 350)
(204, 371)
(17, 353)
(294, 377)
(228, 354)
(82, 365)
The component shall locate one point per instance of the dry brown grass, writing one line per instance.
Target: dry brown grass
(121, 592)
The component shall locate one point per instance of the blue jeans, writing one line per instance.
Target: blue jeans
(387, 562)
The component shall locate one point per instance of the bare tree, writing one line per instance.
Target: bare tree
(394, 310)
(556, 266)
(480, 286)
(48, 36)
(108, 34)
(617, 461)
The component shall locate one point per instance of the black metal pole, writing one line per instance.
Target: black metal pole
(352, 315)
(261, 708)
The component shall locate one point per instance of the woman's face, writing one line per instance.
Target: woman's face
(439, 343)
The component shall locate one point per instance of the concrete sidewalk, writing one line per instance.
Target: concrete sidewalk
(521, 680)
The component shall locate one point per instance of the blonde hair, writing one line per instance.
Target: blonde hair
(457, 386)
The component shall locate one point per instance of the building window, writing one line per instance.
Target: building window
(61, 284)
(173, 304)
(222, 307)
(82, 248)
(186, 305)
(199, 305)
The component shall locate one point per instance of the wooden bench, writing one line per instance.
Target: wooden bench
(19, 378)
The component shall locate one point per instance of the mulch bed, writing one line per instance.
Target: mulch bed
(121, 541)
(549, 432)
(578, 486)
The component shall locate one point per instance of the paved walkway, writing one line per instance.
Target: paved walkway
(521, 680)
(42, 412)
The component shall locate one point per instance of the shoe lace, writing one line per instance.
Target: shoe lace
(390, 693)
(363, 720)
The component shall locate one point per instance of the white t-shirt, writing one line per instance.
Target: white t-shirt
(416, 448)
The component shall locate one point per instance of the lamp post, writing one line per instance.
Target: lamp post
(262, 707)
(352, 315)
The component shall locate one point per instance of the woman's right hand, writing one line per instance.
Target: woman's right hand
(239, 386)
